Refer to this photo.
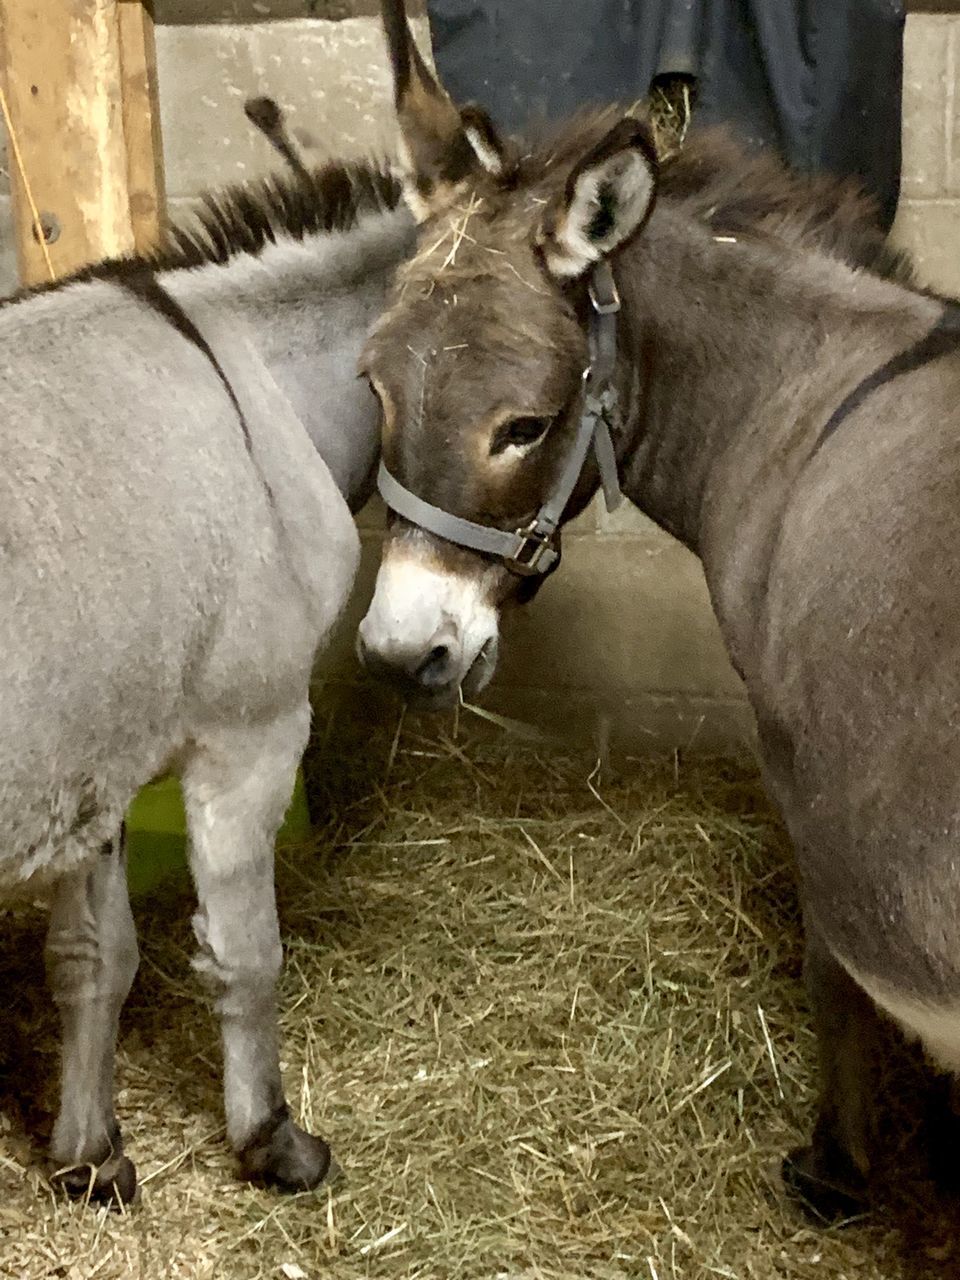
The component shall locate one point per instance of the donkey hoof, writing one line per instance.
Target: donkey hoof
(287, 1158)
(113, 1183)
(828, 1187)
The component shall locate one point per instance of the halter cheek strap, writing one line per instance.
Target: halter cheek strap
(535, 548)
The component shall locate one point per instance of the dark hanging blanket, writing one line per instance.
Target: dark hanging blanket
(818, 79)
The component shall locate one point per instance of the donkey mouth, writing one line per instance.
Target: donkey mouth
(442, 698)
(481, 669)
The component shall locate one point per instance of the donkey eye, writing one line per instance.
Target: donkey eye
(518, 432)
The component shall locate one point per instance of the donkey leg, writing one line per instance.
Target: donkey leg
(830, 1175)
(91, 955)
(236, 787)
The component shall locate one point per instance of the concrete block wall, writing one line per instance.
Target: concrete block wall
(928, 220)
(621, 644)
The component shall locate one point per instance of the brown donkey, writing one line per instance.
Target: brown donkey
(785, 405)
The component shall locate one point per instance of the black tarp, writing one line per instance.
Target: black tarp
(820, 80)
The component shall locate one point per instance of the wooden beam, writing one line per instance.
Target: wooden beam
(63, 71)
(141, 122)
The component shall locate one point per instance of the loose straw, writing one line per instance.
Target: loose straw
(18, 160)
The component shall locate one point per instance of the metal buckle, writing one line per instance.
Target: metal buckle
(532, 545)
(610, 303)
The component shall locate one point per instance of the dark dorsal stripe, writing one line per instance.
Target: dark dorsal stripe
(144, 285)
(942, 339)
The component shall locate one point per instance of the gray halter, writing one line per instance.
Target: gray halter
(535, 548)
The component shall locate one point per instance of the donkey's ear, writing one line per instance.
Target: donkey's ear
(441, 146)
(607, 198)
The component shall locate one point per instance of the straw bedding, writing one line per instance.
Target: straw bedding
(550, 1017)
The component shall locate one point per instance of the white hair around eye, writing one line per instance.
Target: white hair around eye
(519, 436)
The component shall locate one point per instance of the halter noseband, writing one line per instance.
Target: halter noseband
(535, 548)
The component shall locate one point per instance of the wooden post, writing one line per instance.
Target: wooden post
(141, 122)
(81, 89)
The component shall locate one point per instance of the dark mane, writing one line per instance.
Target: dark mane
(245, 218)
(736, 191)
(248, 217)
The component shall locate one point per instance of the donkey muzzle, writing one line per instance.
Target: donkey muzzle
(428, 632)
(413, 669)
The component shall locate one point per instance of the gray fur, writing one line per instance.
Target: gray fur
(164, 590)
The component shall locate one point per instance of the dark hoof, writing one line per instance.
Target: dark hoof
(287, 1158)
(113, 1183)
(828, 1187)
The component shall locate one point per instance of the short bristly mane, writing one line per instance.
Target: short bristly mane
(737, 191)
(733, 190)
(244, 219)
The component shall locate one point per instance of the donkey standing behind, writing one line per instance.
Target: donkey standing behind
(183, 442)
(788, 408)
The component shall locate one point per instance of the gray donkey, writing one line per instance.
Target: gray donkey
(184, 440)
(780, 400)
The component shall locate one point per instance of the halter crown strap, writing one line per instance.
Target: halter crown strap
(532, 549)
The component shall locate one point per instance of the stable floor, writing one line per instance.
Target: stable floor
(549, 1016)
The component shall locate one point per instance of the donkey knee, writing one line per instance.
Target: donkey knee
(239, 969)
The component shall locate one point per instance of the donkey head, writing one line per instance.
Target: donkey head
(479, 359)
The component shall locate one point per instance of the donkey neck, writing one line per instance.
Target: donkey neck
(306, 306)
(738, 352)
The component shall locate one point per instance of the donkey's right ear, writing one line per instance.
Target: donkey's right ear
(440, 145)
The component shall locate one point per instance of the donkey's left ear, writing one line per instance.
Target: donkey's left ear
(607, 199)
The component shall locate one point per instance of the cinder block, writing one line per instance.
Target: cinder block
(644, 724)
(8, 253)
(205, 74)
(338, 661)
(628, 522)
(331, 78)
(930, 231)
(373, 517)
(925, 95)
(953, 105)
(621, 616)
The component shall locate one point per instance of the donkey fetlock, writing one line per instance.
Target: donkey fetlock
(106, 1177)
(829, 1184)
(283, 1155)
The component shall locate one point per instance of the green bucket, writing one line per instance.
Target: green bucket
(157, 833)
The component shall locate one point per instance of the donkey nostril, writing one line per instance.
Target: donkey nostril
(435, 668)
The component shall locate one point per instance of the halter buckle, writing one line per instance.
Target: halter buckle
(603, 291)
(532, 545)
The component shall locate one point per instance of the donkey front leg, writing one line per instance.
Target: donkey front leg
(91, 958)
(236, 787)
(830, 1175)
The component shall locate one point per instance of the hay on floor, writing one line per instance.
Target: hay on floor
(550, 1017)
